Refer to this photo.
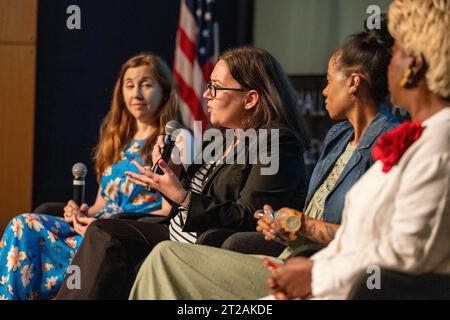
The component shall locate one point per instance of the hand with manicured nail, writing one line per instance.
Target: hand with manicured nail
(72, 209)
(268, 228)
(157, 155)
(81, 223)
(292, 280)
(167, 183)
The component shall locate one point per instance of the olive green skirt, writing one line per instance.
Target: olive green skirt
(176, 270)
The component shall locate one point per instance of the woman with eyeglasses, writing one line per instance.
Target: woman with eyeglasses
(356, 89)
(393, 242)
(248, 91)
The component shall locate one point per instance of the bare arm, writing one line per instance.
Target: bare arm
(98, 205)
(317, 230)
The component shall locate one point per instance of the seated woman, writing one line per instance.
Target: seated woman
(347, 146)
(397, 216)
(357, 85)
(248, 91)
(36, 249)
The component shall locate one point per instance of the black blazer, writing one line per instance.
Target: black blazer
(233, 192)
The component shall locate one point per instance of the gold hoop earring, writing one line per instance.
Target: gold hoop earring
(407, 78)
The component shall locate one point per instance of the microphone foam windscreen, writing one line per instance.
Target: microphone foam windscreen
(79, 170)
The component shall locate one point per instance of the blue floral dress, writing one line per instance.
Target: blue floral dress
(36, 249)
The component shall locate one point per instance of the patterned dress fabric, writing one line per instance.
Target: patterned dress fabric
(36, 249)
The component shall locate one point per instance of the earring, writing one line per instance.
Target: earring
(407, 78)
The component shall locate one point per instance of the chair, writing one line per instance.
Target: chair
(396, 285)
(308, 250)
(51, 208)
(214, 237)
(254, 243)
(244, 242)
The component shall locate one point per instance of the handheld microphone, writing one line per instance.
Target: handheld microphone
(169, 143)
(79, 171)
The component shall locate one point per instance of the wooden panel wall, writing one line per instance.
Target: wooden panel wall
(18, 28)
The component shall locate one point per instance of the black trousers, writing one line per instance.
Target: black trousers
(110, 256)
(398, 286)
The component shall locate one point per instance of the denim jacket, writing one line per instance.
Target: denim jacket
(334, 145)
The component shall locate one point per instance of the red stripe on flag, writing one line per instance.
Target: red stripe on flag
(207, 69)
(187, 46)
(189, 96)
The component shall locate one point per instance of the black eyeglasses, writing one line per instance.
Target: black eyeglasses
(213, 89)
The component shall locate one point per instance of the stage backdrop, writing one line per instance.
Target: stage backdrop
(303, 34)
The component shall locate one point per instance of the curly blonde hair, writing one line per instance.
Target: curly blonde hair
(422, 27)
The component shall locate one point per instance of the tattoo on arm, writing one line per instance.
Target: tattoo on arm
(322, 236)
(310, 230)
(318, 231)
(330, 231)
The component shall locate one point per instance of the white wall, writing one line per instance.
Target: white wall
(303, 34)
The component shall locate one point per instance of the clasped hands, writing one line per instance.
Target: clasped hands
(78, 215)
(291, 280)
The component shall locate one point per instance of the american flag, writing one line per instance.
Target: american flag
(196, 52)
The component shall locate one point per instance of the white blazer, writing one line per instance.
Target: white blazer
(398, 220)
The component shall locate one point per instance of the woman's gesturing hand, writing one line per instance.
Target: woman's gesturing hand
(167, 183)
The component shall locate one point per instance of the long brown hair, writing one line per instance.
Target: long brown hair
(256, 69)
(119, 126)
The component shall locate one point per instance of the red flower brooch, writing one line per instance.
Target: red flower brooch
(391, 146)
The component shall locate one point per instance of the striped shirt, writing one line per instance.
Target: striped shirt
(177, 223)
